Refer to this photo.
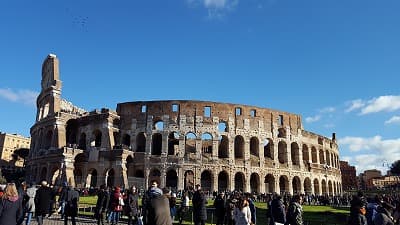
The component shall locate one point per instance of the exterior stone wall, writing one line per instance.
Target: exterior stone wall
(180, 143)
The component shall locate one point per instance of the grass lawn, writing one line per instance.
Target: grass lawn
(313, 215)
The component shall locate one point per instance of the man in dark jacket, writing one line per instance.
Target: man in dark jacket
(71, 199)
(278, 211)
(219, 205)
(103, 200)
(199, 202)
(157, 208)
(43, 199)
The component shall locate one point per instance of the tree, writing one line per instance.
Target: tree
(395, 168)
(22, 153)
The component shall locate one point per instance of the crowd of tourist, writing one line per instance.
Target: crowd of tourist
(159, 206)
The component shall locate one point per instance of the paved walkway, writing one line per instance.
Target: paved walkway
(56, 220)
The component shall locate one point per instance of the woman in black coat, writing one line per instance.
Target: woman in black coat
(199, 202)
(132, 206)
(10, 206)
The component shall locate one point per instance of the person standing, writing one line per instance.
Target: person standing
(132, 206)
(157, 208)
(71, 199)
(43, 199)
(116, 204)
(199, 202)
(278, 211)
(10, 206)
(30, 204)
(242, 213)
(184, 208)
(295, 211)
(103, 199)
(219, 205)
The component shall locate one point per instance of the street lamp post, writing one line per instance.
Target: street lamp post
(386, 164)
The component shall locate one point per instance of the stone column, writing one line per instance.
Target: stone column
(290, 183)
(215, 180)
(277, 188)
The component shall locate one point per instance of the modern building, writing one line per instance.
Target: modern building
(179, 143)
(385, 182)
(349, 176)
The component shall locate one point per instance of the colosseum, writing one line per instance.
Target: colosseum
(179, 143)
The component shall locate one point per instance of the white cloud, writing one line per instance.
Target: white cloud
(215, 8)
(327, 110)
(387, 103)
(26, 97)
(393, 120)
(354, 105)
(374, 151)
(313, 119)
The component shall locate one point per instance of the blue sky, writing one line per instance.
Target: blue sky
(336, 63)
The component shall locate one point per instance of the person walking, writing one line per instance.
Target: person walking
(71, 199)
(10, 206)
(116, 206)
(103, 200)
(43, 199)
(278, 211)
(199, 202)
(184, 207)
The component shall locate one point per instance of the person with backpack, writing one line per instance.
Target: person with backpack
(294, 214)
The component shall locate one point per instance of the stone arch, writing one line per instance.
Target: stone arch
(190, 143)
(82, 141)
(321, 157)
(97, 136)
(239, 181)
(189, 180)
(206, 143)
(307, 186)
(173, 143)
(223, 181)
(222, 126)
(172, 180)
(306, 158)
(283, 184)
(239, 147)
(126, 140)
(156, 144)
(223, 147)
(78, 177)
(269, 149)
(254, 146)
(295, 153)
(155, 175)
(140, 142)
(129, 166)
(71, 132)
(110, 177)
(254, 183)
(328, 156)
(158, 125)
(330, 188)
(269, 182)
(48, 139)
(316, 187)
(314, 155)
(206, 181)
(91, 178)
(282, 133)
(296, 185)
(282, 155)
(323, 184)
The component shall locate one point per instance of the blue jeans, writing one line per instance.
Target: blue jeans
(29, 218)
(114, 217)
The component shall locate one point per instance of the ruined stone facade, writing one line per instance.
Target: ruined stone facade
(178, 143)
